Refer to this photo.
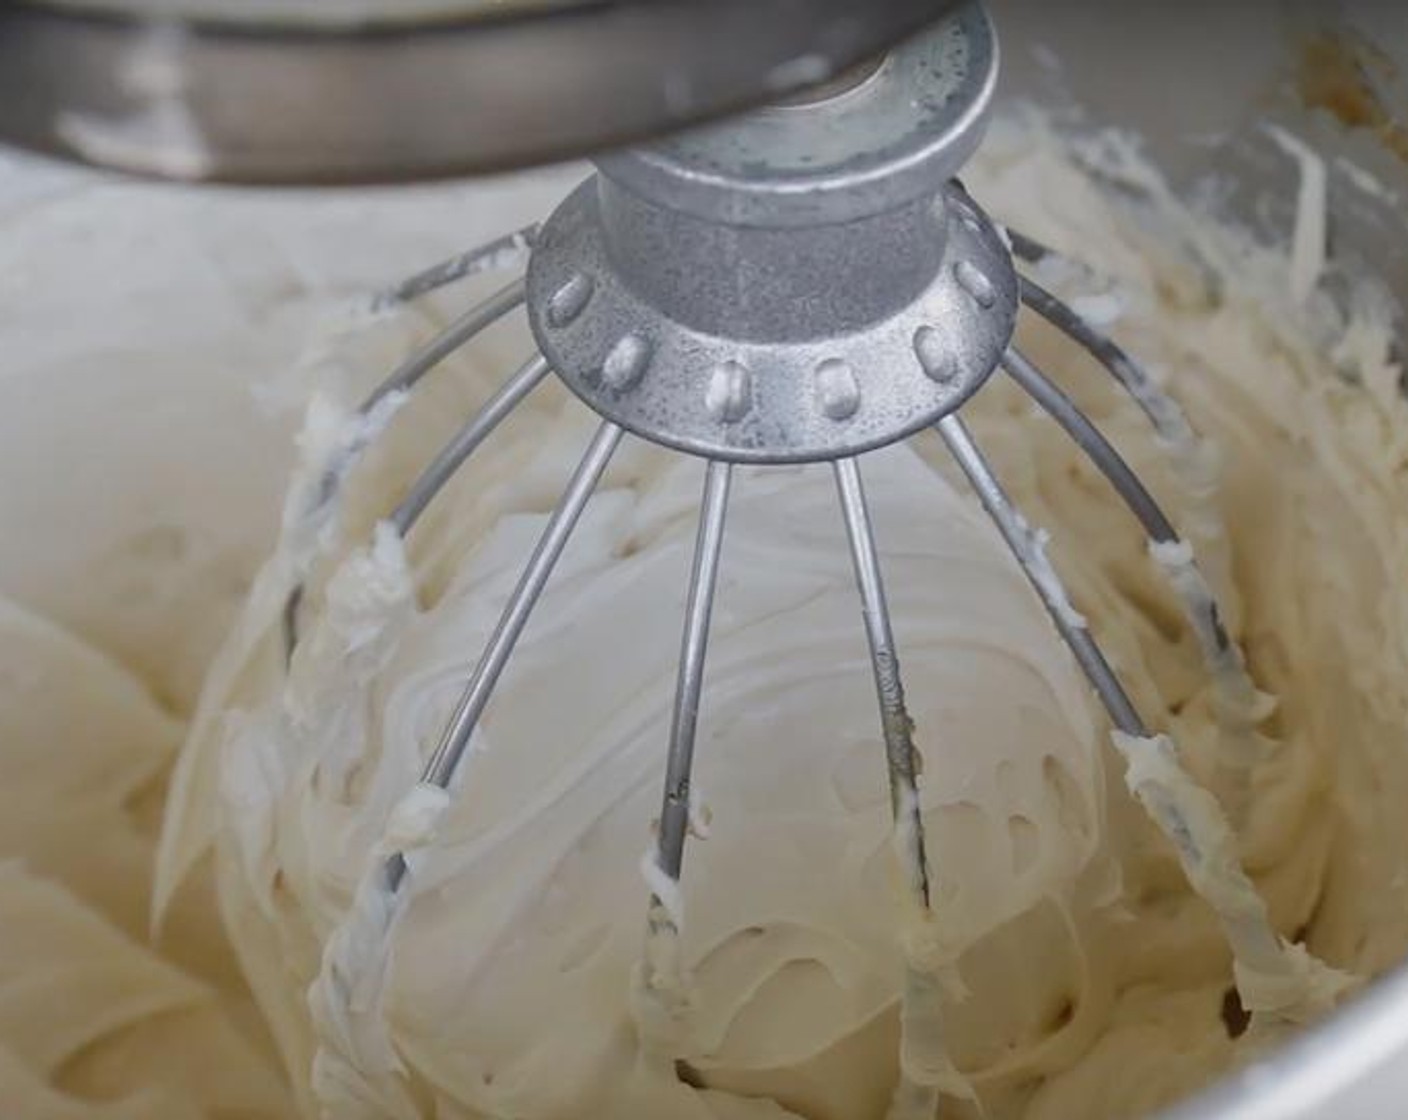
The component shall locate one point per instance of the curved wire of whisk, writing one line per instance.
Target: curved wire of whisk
(402, 379)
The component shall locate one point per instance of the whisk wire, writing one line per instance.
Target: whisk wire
(676, 807)
(1164, 413)
(1092, 442)
(1131, 490)
(1028, 548)
(402, 379)
(457, 452)
(463, 330)
(502, 251)
(440, 770)
(901, 754)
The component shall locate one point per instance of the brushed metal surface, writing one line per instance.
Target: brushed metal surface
(279, 104)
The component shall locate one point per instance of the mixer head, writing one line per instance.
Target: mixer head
(807, 284)
(351, 91)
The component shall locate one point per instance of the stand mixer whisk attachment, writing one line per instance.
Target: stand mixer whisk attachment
(805, 285)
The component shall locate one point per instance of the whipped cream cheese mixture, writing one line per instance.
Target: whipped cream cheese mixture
(1069, 966)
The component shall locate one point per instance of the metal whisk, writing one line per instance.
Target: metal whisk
(805, 284)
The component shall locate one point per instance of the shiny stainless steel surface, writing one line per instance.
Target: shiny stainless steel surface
(483, 88)
(748, 257)
(1353, 1067)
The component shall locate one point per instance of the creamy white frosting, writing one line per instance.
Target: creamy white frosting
(1072, 967)
(504, 978)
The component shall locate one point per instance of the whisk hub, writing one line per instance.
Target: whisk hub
(703, 293)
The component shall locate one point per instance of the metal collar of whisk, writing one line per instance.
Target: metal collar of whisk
(799, 284)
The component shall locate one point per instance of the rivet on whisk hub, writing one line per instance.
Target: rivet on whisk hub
(730, 393)
(570, 300)
(975, 282)
(627, 363)
(935, 355)
(837, 390)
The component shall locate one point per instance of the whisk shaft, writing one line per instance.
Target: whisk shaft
(455, 740)
(454, 454)
(675, 810)
(902, 756)
(1025, 546)
(1093, 442)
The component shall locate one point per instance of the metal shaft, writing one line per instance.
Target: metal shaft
(1093, 442)
(675, 810)
(453, 456)
(401, 379)
(1203, 609)
(455, 740)
(894, 716)
(482, 258)
(1164, 413)
(1100, 346)
(462, 330)
(1026, 547)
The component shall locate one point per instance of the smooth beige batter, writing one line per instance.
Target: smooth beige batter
(1088, 979)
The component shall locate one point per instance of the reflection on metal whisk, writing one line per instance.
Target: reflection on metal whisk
(805, 285)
